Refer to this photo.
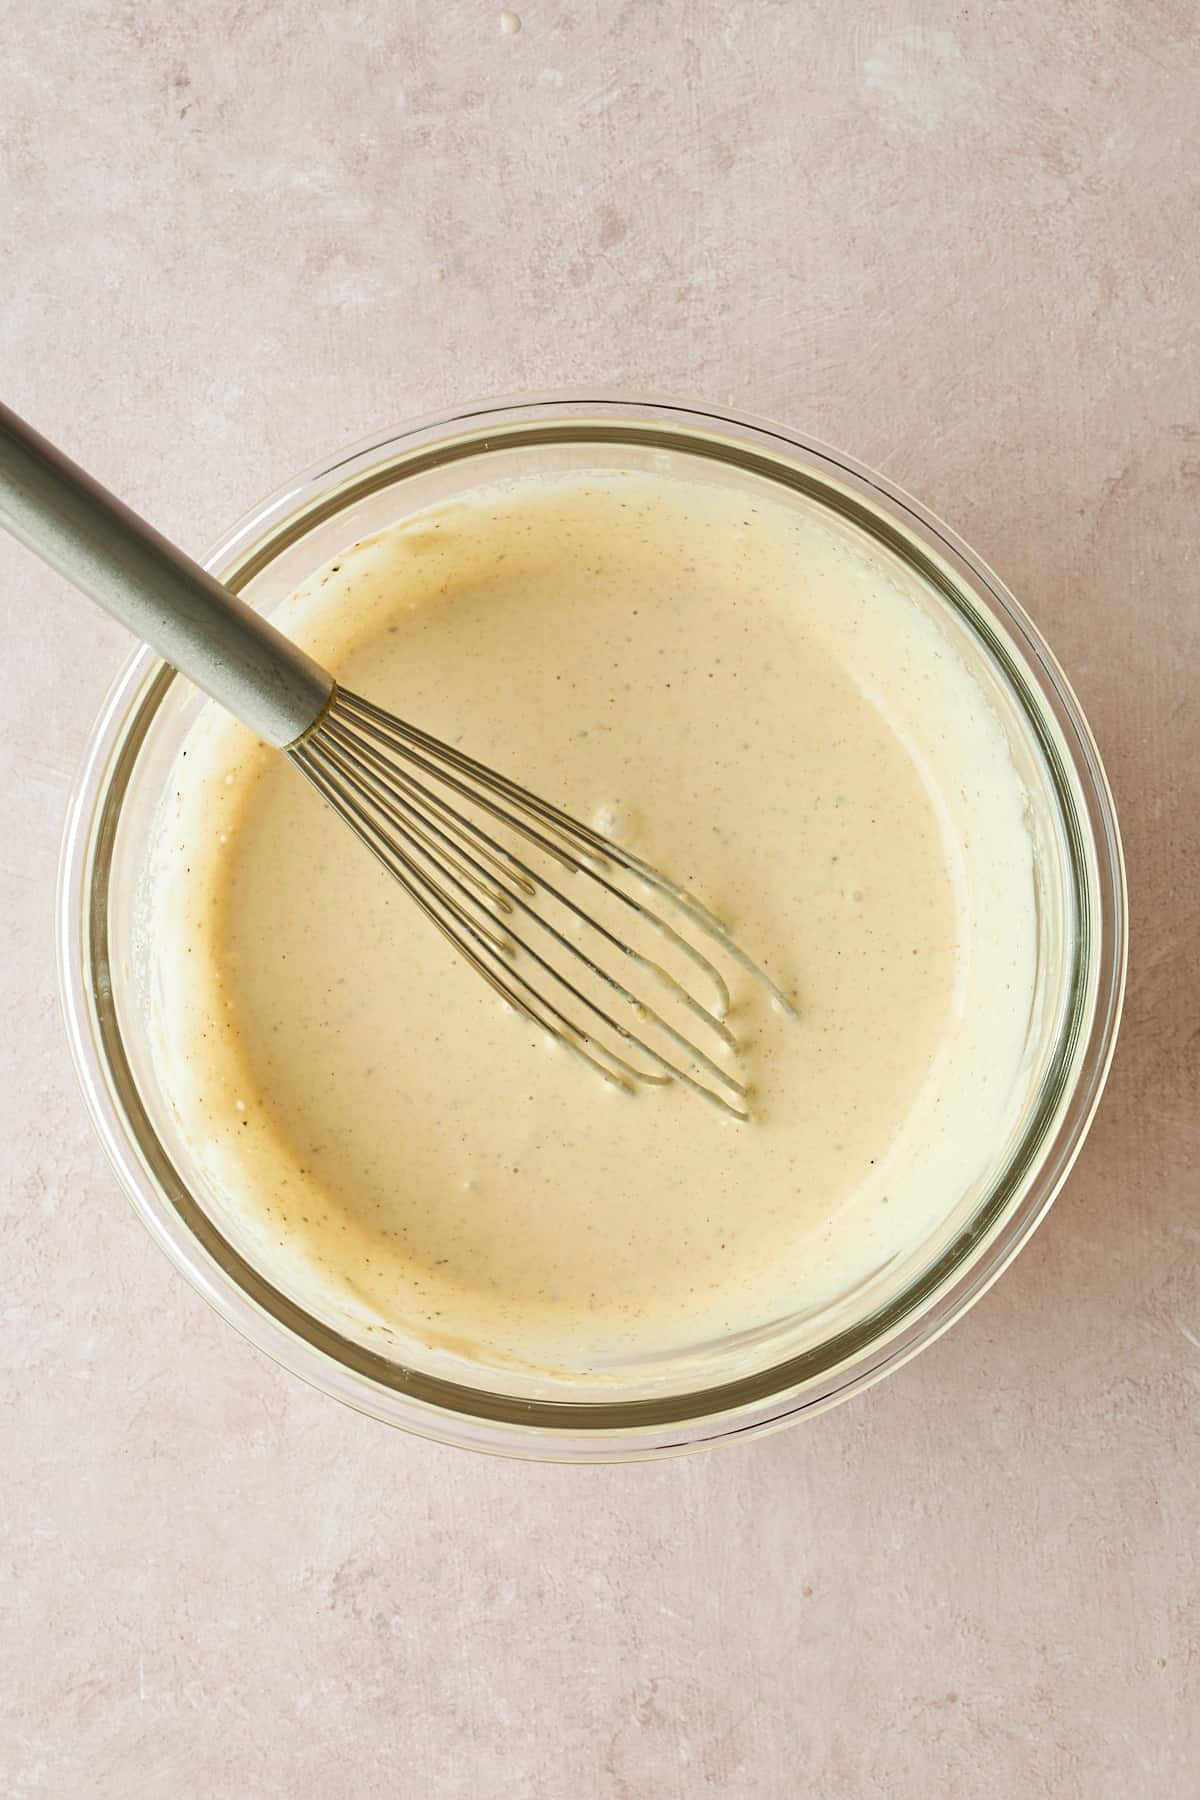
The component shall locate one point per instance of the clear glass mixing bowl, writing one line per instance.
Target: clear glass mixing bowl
(721, 1391)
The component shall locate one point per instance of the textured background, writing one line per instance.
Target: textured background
(959, 241)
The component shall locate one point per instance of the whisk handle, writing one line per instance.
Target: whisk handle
(195, 623)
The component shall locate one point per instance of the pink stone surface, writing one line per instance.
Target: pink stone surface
(958, 241)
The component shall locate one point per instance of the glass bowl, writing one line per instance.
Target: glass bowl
(729, 1391)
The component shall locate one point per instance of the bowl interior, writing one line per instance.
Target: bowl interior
(787, 1361)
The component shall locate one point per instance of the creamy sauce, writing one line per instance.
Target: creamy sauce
(750, 699)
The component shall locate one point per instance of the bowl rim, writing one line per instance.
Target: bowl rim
(769, 1398)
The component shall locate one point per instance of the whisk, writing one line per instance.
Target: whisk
(501, 873)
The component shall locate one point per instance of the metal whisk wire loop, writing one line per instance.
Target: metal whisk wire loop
(489, 864)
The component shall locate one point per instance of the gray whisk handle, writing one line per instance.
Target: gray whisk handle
(197, 625)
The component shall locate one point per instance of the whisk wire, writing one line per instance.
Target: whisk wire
(424, 896)
(575, 831)
(377, 774)
(401, 736)
(403, 791)
(351, 792)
